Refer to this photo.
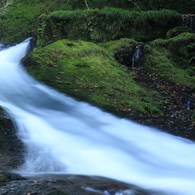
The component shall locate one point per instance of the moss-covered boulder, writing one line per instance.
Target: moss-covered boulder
(124, 50)
(172, 59)
(89, 72)
(106, 24)
(178, 30)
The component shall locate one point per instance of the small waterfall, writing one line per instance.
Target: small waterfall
(65, 136)
(188, 20)
(191, 22)
(188, 105)
(136, 56)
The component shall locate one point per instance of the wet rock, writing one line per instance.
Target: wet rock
(11, 148)
(131, 55)
(8, 176)
(40, 188)
(33, 43)
(72, 185)
(6, 45)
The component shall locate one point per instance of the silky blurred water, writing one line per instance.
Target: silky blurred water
(69, 137)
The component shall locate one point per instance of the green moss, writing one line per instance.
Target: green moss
(192, 116)
(2, 178)
(70, 20)
(88, 72)
(178, 30)
(106, 24)
(116, 45)
(19, 19)
(171, 58)
(180, 48)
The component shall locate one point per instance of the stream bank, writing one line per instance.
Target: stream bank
(177, 118)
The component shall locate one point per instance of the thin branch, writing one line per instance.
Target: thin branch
(86, 4)
(135, 4)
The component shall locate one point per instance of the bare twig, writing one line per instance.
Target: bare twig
(135, 4)
(86, 4)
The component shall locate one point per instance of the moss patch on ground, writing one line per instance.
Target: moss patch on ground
(88, 72)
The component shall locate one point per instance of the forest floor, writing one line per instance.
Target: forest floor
(177, 116)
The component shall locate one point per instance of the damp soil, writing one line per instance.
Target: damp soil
(177, 117)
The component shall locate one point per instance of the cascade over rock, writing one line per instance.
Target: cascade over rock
(59, 132)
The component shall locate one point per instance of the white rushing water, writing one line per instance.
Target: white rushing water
(70, 137)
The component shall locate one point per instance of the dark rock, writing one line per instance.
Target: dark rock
(129, 56)
(8, 176)
(33, 43)
(71, 185)
(11, 148)
(6, 45)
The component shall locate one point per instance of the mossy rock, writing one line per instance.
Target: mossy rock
(106, 24)
(172, 59)
(117, 45)
(178, 30)
(2, 178)
(192, 116)
(124, 50)
(89, 72)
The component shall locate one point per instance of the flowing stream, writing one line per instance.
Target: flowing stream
(69, 137)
